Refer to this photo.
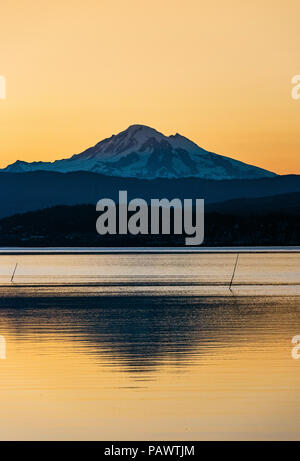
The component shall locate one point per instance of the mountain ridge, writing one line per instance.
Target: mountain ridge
(143, 152)
(40, 189)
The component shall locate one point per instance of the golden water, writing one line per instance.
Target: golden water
(119, 367)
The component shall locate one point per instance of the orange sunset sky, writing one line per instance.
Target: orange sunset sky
(217, 72)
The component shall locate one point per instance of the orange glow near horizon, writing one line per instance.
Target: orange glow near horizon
(219, 74)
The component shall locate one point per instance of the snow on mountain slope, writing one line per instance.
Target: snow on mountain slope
(143, 152)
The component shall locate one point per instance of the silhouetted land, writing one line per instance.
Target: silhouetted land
(22, 192)
(264, 221)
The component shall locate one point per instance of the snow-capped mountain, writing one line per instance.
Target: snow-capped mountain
(142, 152)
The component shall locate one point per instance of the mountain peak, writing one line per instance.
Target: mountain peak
(141, 131)
(138, 126)
(143, 152)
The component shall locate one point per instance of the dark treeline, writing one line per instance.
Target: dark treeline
(76, 226)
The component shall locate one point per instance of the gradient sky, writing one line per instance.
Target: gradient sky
(217, 73)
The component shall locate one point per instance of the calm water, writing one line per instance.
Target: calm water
(117, 367)
(166, 269)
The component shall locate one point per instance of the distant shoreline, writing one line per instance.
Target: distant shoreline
(147, 250)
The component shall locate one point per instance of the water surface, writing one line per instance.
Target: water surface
(125, 367)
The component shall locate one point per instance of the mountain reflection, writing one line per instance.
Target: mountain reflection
(140, 334)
